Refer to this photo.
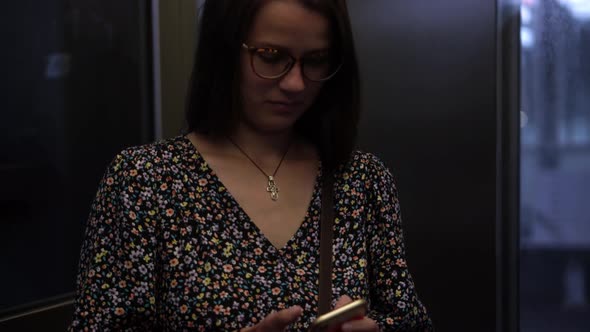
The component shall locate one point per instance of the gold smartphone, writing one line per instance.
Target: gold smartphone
(353, 310)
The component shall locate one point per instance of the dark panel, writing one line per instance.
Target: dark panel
(429, 71)
(73, 95)
(508, 170)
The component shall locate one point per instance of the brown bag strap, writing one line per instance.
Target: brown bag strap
(326, 234)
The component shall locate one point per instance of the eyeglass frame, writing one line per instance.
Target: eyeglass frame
(252, 49)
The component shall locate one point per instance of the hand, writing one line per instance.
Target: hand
(276, 321)
(361, 325)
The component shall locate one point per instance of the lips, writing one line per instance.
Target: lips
(285, 103)
(285, 107)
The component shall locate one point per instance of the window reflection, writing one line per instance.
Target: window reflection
(555, 165)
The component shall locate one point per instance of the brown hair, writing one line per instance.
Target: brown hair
(331, 122)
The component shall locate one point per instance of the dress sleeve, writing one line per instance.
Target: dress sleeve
(394, 302)
(116, 279)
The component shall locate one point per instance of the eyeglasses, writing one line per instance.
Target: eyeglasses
(271, 63)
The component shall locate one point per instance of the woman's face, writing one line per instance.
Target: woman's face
(274, 105)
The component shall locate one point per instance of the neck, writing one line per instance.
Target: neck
(261, 145)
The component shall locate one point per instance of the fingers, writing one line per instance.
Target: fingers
(342, 301)
(363, 325)
(279, 320)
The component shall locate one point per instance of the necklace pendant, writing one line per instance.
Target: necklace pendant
(272, 188)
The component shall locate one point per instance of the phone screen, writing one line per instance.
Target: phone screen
(337, 317)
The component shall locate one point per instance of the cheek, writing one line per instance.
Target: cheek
(313, 91)
(253, 88)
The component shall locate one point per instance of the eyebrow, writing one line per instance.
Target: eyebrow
(286, 49)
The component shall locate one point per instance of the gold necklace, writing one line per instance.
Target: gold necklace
(272, 187)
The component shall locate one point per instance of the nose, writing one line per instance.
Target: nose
(293, 81)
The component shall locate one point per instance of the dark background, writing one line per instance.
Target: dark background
(74, 77)
(429, 76)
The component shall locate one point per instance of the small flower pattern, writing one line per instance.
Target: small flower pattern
(167, 248)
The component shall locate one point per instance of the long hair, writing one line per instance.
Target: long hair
(213, 99)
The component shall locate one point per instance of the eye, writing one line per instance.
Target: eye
(318, 59)
(269, 55)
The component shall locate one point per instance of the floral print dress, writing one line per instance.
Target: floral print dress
(167, 248)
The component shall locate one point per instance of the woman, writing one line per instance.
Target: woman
(219, 229)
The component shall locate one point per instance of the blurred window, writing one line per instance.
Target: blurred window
(555, 165)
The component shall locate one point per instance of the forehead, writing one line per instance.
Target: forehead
(289, 24)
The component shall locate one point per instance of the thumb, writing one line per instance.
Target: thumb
(342, 301)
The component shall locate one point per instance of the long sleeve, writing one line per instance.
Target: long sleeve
(116, 283)
(394, 301)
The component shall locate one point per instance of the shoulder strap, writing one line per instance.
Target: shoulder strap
(326, 234)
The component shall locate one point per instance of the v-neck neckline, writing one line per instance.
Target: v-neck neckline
(305, 223)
